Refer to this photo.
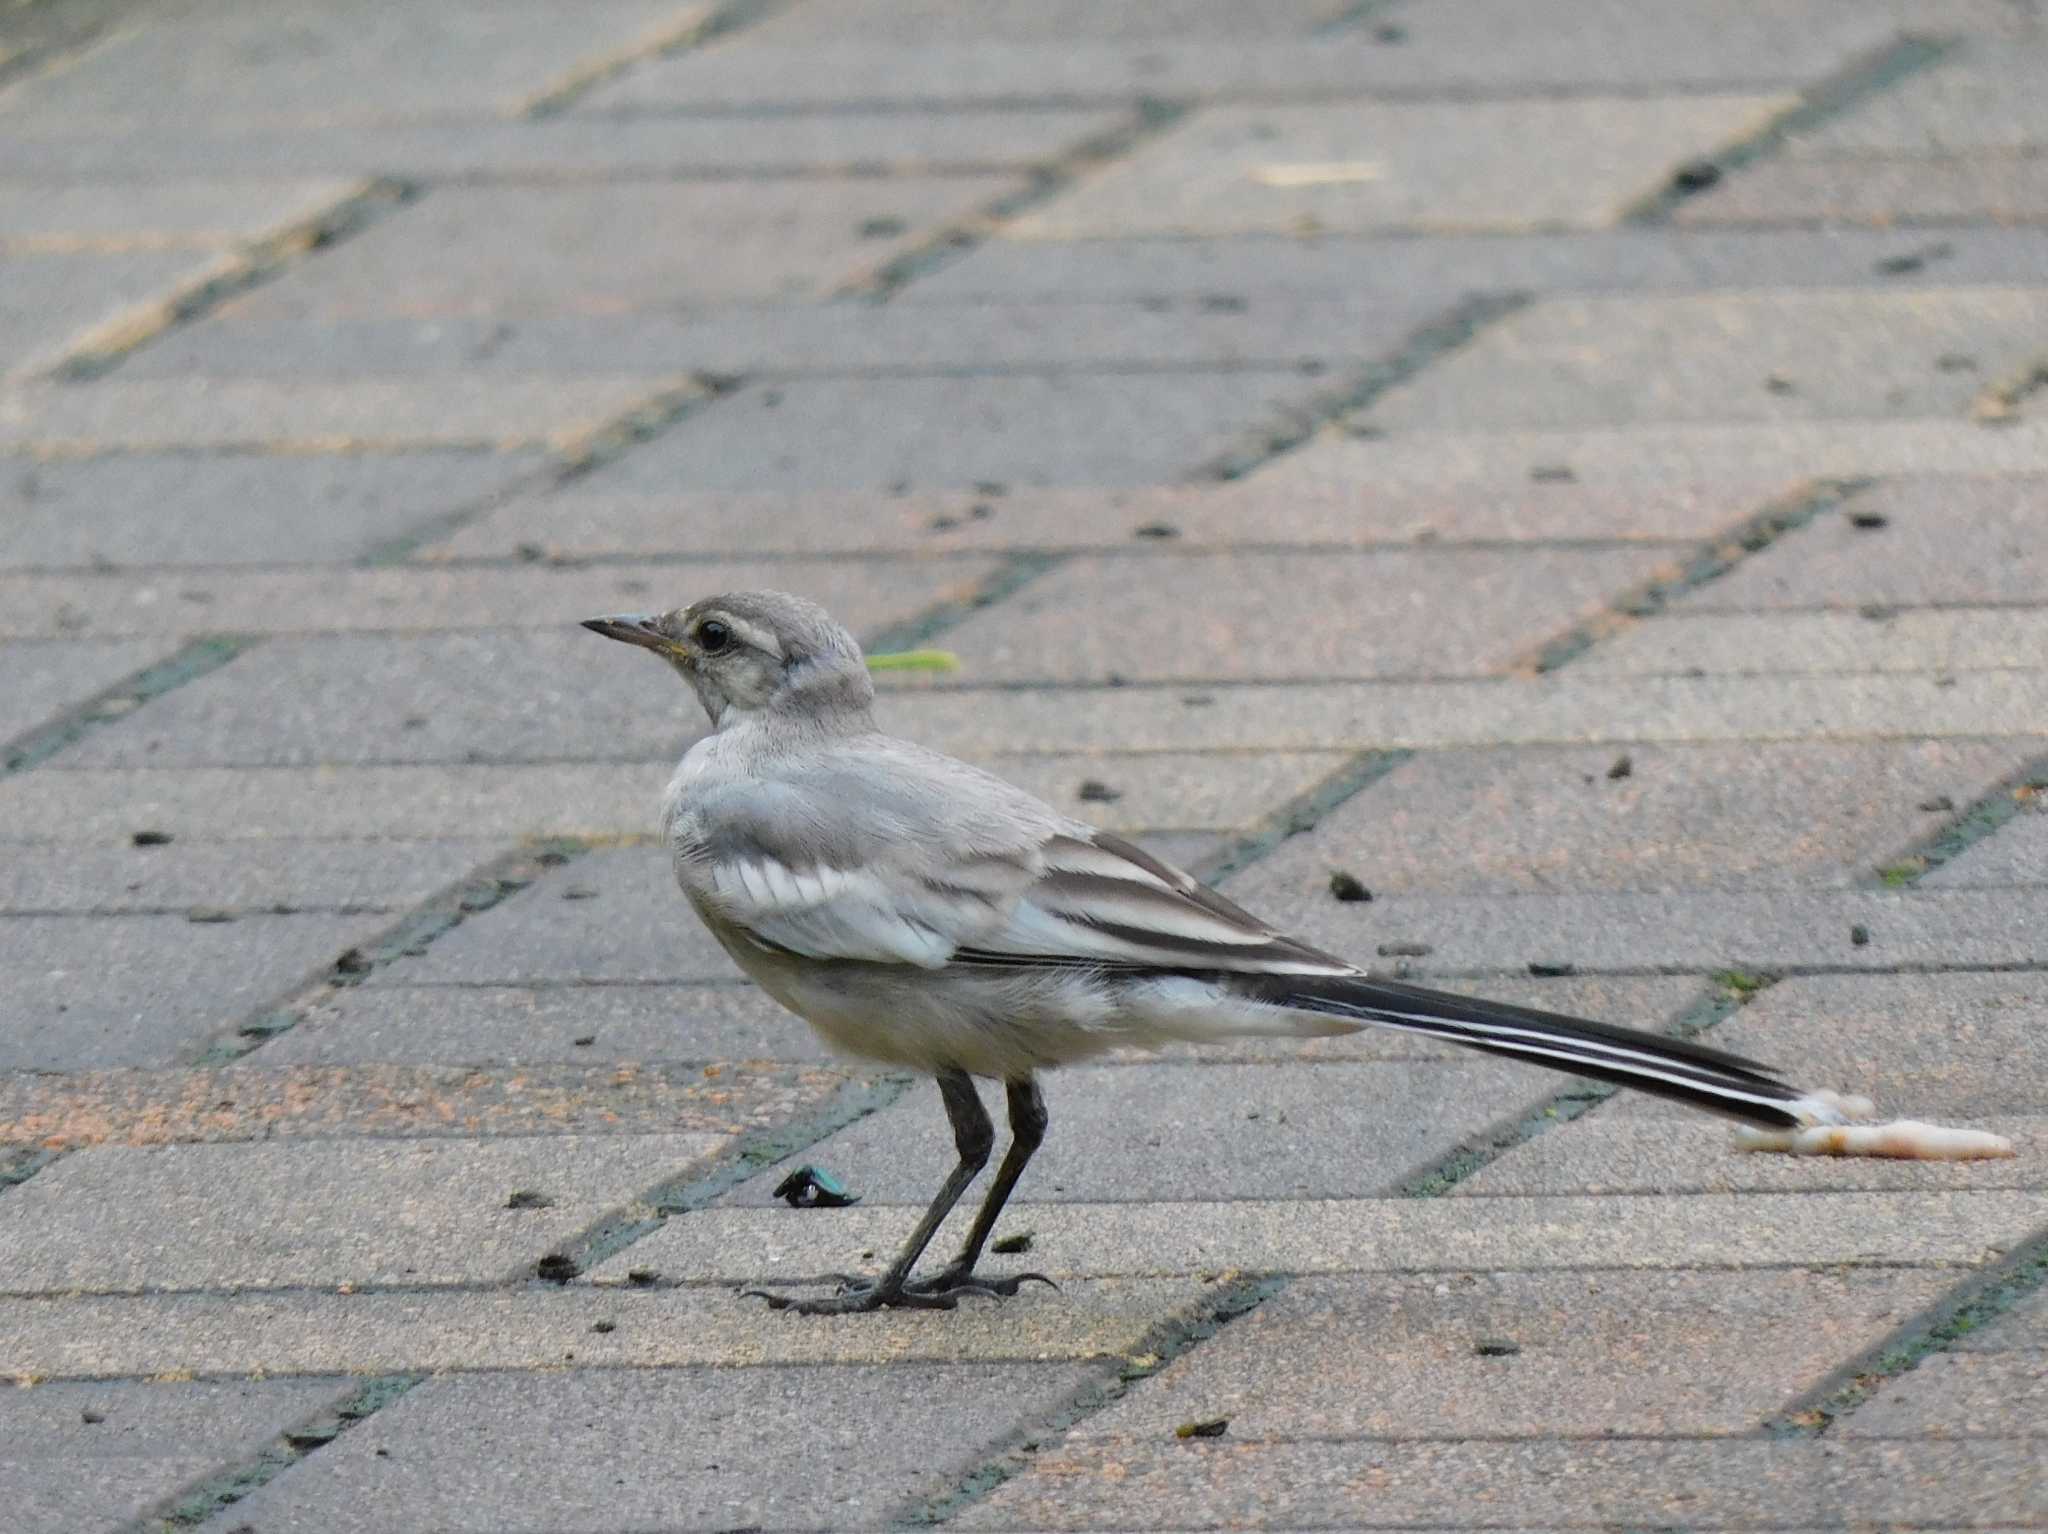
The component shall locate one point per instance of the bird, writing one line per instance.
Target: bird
(918, 911)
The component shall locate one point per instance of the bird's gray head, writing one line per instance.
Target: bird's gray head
(755, 652)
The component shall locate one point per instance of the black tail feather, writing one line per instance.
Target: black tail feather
(1678, 1069)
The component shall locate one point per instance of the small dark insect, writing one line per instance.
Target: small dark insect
(1496, 1347)
(1009, 1245)
(810, 1188)
(1155, 530)
(641, 1278)
(604, 1326)
(1211, 1427)
(1860, 936)
(1405, 950)
(1868, 521)
(1346, 886)
(1095, 791)
(556, 1268)
(1551, 968)
(1623, 766)
(151, 838)
(526, 1198)
(1696, 176)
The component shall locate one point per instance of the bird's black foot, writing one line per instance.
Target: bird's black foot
(965, 1281)
(944, 1290)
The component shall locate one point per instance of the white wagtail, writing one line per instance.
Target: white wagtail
(918, 911)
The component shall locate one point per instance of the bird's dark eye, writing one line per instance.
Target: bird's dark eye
(713, 636)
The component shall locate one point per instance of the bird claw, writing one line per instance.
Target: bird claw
(857, 1295)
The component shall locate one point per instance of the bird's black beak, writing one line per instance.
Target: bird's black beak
(635, 628)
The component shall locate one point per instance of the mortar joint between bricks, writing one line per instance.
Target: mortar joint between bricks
(694, 31)
(477, 891)
(192, 660)
(1977, 821)
(1014, 572)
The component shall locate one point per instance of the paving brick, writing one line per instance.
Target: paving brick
(46, 679)
(1233, 169)
(93, 1456)
(571, 144)
(1878, 189)
(632, 925)
(1400, 1357)
(49, 303)
(2016, 854)
(284, 876)
(1749, 356)
(605, 247)
(1925, 1046)
(926, 433)
(1945, 640)
(1379, 1235)
(404, 599)
(1188, 791)
(539, 1327)
(85, 991)
(924, 22)
(1225, 515)
(312, 63)
(1764, 930)
(1944, 539)
(1982, 95)
(1610, 1151)
(1738, 1483)
(195, 213)
(221, 509)
(1983, 1395)
(512, 1025)
(1543, 819)
(177, 1217)
(1310, 332)
(792, 1448)
(1626, 259)
(1511, 602)
(1561, 708)
(2023, 1326)
(1663, 454)
(1168, 1132)
(241, 804)
(313, 415)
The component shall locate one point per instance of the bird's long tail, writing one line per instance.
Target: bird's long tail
(1679, 1069)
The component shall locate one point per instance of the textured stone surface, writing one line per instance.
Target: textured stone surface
(287, 875)
(1774, 356)
(1942, 540)
(1223, 617)
(1537, 819)
(2016, 854)
(1943, 640)
(167, 509)
(50, 302)
(1305, 169)
(1595, 1353)
(268, 1216)
(1878, 189)
(46, 679)
(194, 213)
(83, 991)
(1980, 96)
(795, 1448)
(1994, 1395)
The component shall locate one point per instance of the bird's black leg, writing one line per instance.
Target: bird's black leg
(973, 1137)
(1027, 1132)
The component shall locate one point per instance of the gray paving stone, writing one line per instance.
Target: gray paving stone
(1536, 820)
(926, 433)
(94, 1456)
(1199, 791)
(1763, 930)
(241, 804)
(220, 509)
(1943, 640)
(924, 22)
(1678, 1354)
(1739, 1483)
(2023, 1326)
(286, 875)
(1925, 1046)
(792, 1448)
(1980, 96)
(2016, 854)
(571, 144)
(120, 1219)
(1972, 1395)
(1613, 1151)
(1877, 189)
(1308, 332)
(542, 1327)
(1167, 1132)
(603, 247)
(1607, 260)
(1433, 166)
(50, 303)
(45, 679)
(514, 1025)
(438, 598)
(1234, 513)
(316, 63)
(1512, 600)
(632, 925)
(195, 213)
(1380, 1235)
(1945, 539)
(85, 991)
(1748, 356)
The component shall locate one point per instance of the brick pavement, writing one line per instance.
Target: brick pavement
(1578, 470)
